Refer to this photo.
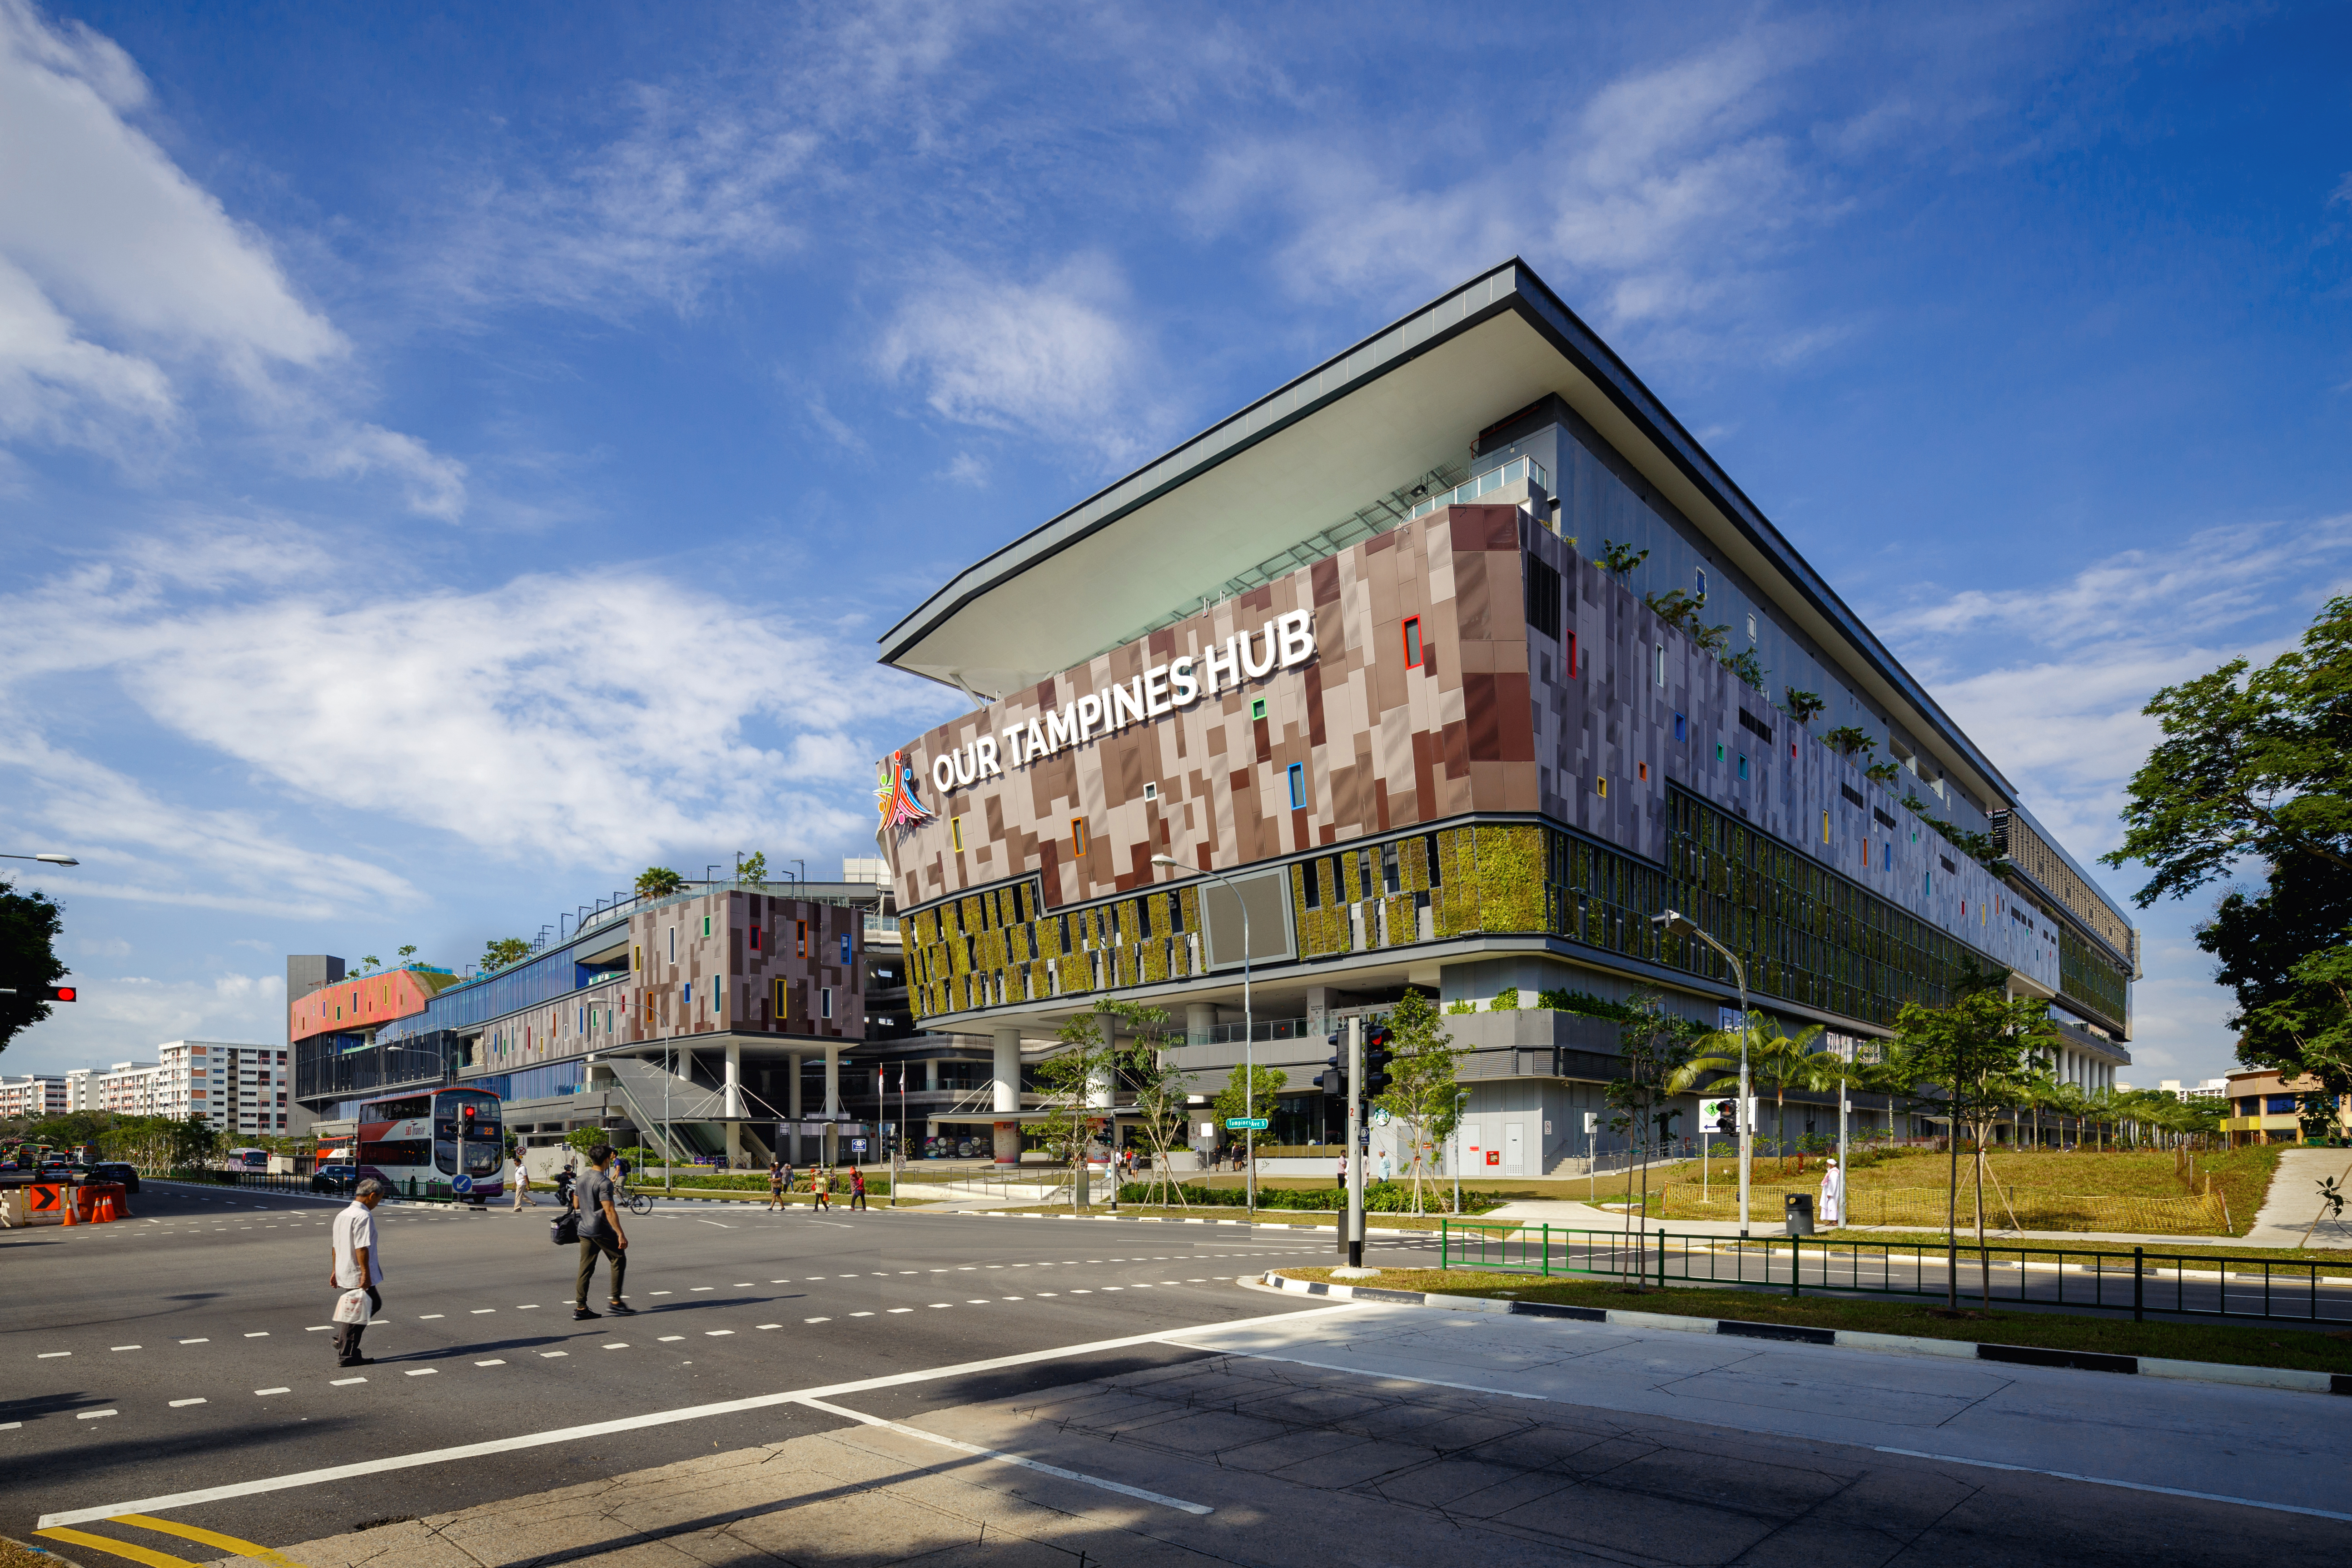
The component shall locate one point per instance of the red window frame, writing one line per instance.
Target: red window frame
(1571, 656)
(1410, 632)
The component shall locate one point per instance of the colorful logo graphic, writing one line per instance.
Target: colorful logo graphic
(895, 794)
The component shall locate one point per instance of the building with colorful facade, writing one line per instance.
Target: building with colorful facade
(1453, 662)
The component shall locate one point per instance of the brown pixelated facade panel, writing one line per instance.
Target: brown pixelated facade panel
(1380, 745)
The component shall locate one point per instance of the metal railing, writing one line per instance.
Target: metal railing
(2140, 1280)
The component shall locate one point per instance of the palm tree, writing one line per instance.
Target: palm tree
(1773, 1055)
(659, 882)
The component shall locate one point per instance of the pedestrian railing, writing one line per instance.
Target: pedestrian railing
(2137, 1280)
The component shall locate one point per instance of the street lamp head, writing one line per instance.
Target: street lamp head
(57, 859)
(1677, 922)
(1169, 861)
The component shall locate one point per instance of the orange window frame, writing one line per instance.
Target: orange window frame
(1079, 834)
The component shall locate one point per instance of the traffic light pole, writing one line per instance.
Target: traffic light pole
(1355, 1217)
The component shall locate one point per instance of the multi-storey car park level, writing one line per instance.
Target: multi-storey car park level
(1372, 649)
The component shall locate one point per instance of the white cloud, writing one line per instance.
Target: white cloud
(125, 1018)
(1055, 358)
(593, 716)
(122, 281)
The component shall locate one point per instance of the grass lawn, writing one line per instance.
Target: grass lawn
(2301, 1349)
(2241, 1176)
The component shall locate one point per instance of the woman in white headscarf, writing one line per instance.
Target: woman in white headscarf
(1833, 1197)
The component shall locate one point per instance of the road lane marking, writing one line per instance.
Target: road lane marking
(1005, 1458)
(51, 1355)
(2128, 1486)
(182, 1404)
(127, 1347)
(489, 1364)
(195, 1341)
(114, 1547)
(816, 1319)
(666, 1339)
(479, 1310)
(230, 1543)
(549, 1355)
(896, 1310)
(618, 1345)
(706, 1287)
(94, 1414)
(338, 1383)
(428, 1317)
(257, 1391)
(423, 1371)
(771, 1325)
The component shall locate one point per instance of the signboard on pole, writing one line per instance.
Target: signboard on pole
(1247, 1123)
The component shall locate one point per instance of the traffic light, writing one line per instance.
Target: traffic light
(1333, 1080)
(63, 993)
(1377, 1054)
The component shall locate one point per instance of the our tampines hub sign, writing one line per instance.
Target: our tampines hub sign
(1283, 643)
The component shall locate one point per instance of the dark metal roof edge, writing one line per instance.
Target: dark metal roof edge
(977, 579)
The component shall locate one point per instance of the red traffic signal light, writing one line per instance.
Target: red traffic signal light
(64, 994)
(468, 1112)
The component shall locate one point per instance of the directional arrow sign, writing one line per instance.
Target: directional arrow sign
(1245, 1123)
(44, 1200)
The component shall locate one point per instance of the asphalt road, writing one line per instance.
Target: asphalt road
(187, 1348)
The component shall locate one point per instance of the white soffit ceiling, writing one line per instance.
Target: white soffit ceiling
(1191, 540)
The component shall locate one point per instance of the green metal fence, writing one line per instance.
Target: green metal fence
(2138, 1280)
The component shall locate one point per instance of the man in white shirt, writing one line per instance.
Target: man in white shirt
(359, 1265)
(521, 1181)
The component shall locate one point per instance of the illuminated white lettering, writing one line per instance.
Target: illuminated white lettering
(1231, 664)
(962, 758)
(1298, 630)
(1155, 692)
(942, 773)
(1090, 712)
(1188, 689)
(1062, 728)
(1036, 747)
(1251, 665)
(1126, 703)
(983, 758)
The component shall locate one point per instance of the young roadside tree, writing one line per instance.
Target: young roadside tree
(1421, 1092)
(2255, 767)
(1244, 1089)
(1653, 1047)
(753, 867)
(1969, 1062)
(1163, 1092)
(1073, 1078)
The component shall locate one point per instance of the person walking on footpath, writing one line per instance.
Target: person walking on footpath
(359, 1265)
(858, 1186)
(600, 1233)
(776, 1180)
(821, 1189)
(521, 1182)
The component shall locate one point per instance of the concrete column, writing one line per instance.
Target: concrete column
(733, 1104)
(1199, 1019)
(931, 1076)
(792, 1105)
(832, 1102)
(1004, 1084)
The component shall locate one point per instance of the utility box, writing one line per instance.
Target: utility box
(1797, 1213)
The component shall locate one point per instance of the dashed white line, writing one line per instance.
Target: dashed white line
(428, 1317)
(896, 1310)
(489, 1364)
(549, 1355)
(423, 1371)
(618, 1345)
(195, 1341)
(93, 1414)
(816, 1319)
(51, 1355)
(666, 1339)
(183, 1403)
(126, 1347)
(273, 1391)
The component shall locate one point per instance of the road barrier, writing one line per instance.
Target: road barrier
(2137, 1280)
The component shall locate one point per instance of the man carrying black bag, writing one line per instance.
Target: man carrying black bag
(600, 1233)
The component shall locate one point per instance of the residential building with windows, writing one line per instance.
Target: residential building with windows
(33, 1095)
(1451, 663)
(240, 1088)
(2267, 1106)
(126, 1088)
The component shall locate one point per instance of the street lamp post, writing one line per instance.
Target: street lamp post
(1680, 925)
(1249, 1045)
(44, 860)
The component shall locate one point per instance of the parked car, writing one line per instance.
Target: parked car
(115, 1171)
(334, 1178)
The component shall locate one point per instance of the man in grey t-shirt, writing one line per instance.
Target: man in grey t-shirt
(600, 1233)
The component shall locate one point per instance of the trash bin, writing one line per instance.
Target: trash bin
(1797, 1213)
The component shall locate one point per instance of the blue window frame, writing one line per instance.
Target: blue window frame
(844, 947)
(1682, 728)
(1299, 786)
(1743, 764)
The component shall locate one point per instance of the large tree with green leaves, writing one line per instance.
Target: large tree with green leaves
(1653, 1048)
(1246, 1087)
(1422, 1091)
(2255, 767)
(29, 923)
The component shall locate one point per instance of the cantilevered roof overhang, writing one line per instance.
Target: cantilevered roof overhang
(1402, 402)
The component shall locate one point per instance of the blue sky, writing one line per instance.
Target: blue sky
(449, 460)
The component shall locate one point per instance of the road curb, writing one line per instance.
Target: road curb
(1845, 1338)
(1156, 1219)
